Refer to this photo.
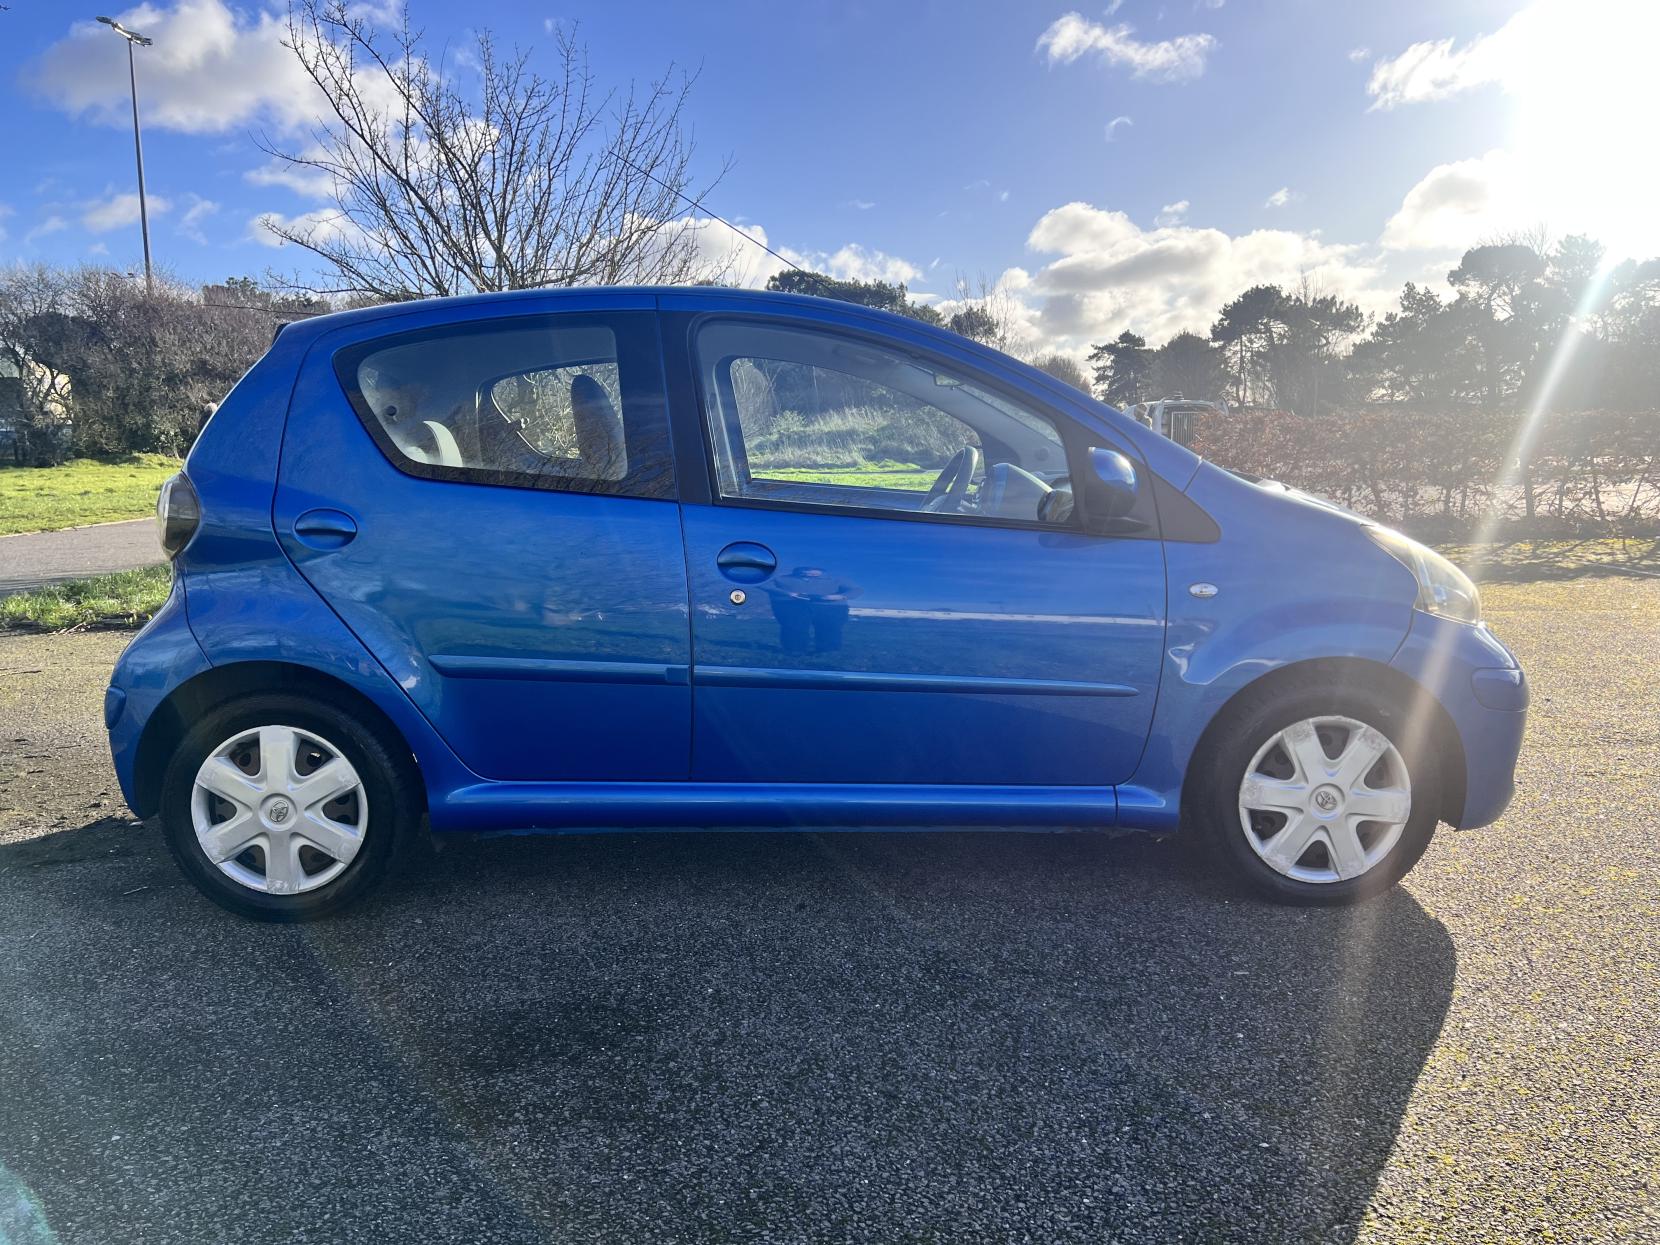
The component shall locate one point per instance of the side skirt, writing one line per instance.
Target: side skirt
(532, 808)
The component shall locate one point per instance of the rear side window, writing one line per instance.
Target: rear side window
(558, 402)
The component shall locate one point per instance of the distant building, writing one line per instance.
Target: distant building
(13, 403)
(11, 406)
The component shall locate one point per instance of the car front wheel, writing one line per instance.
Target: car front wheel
(1319, 797)
(281, 808)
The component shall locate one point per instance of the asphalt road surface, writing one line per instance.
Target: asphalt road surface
(38, 558)
(865, 1037)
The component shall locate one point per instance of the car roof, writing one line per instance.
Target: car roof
(715, 294)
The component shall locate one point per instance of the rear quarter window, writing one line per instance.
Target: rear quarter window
(559, 402)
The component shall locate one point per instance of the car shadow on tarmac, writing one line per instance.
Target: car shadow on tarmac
(736, 1036)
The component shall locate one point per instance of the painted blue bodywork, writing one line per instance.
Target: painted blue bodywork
(566, 660)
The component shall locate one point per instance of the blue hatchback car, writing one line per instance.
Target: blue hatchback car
(698, 557)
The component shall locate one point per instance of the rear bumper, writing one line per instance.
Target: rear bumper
(1485, 693)
(160, 657)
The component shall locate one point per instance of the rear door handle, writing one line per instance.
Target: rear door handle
(325, 529)
(746, 563)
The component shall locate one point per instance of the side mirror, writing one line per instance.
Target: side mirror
(1112, 491)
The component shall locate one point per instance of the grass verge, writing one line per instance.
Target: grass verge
(124, 599)
(81, 491)
(869, 475)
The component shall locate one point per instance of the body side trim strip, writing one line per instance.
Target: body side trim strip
(547, 669)
(871, 681)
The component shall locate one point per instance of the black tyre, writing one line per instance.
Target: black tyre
(1316, 794)
(282, 808)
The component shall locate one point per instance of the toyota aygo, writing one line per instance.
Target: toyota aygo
(613, 558)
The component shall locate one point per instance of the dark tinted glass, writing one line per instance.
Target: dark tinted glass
(559, 402)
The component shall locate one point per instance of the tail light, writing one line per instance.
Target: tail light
(178, 514)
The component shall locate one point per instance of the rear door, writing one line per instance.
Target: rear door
(861, 614)
(489, 505)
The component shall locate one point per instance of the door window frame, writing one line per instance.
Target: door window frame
(1076, 440)
(652, 470)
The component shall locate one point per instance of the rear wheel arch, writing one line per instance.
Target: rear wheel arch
(191, 700)
(1352, 675)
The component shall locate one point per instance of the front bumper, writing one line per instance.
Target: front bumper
(1485, 693)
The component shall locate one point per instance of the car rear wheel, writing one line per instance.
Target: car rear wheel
(284, 809)
(1318, 796)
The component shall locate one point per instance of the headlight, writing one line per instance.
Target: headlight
(1443, 589)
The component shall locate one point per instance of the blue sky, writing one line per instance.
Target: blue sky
(1105, 166)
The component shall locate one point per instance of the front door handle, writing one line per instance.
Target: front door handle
(325, 529)
(746, 563)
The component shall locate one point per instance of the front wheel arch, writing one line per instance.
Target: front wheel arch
(1355, 676)
(191, 700)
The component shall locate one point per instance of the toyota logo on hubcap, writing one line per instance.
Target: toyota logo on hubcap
(1325, 800)
(278, 812)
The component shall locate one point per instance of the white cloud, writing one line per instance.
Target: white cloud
(118, 210)
(1112, 126)
(1534, 48)
(97, 248)
(1281, 197)
(1171, 60)
(1453, 205)
(860, 205)
(5, 210)
(1172, 213)
(1579, 76)
(1360, 54)
(1002, 196)
(1435, 70)
(190, 224)
(212, 69)
(1106, 274)
(720, 249)
(52, 224)
(383, 12)
(308, 182)
(744, 263)
(854, 262)
(322, 223)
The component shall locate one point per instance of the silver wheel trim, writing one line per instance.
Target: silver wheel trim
(278, 809)
(1329, 801)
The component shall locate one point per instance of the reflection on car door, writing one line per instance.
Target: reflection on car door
(846, 634)
(517, 566)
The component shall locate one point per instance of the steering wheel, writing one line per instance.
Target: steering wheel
(951, 487)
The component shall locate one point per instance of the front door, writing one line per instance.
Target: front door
(489, 506)
(889, 585)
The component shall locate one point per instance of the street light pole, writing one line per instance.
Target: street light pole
(133, 37)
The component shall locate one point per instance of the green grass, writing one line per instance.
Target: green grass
(125, 599)
(866, 475)
(83, 490)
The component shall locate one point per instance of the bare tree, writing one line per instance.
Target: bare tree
(989, 313)
(514, 182)
(1063, 368)
(32, 302)
(105, 366)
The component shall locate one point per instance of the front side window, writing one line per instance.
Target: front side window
(818, 419)
(558, 402)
